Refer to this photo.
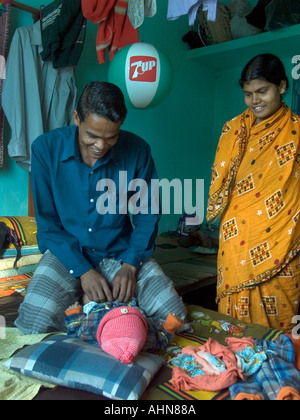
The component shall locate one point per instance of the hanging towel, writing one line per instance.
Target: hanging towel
(138, 9)
(36, 97)
(115, 30)
(177, 8)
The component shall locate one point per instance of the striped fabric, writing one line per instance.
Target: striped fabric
(277, 376)
(25, 251)
(50, 18)
(53, 289)
(25, 228)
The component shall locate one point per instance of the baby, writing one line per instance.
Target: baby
(121, 329)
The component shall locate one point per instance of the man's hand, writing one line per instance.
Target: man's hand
(96, 287)
(124, 283)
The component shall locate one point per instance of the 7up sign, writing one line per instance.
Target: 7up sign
(143, 69)
(143, 73)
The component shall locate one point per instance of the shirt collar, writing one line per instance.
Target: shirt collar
(37, 36)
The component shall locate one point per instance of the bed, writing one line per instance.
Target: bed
(156, 382)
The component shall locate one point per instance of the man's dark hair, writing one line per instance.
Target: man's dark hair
(104, 100)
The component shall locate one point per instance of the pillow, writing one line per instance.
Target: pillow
(73, 363)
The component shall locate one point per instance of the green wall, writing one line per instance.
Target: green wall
(182, 131)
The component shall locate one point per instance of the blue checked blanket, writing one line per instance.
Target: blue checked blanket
(276, 374)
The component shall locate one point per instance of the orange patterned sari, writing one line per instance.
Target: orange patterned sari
(255, 189)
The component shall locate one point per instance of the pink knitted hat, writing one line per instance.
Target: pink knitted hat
(122, 333)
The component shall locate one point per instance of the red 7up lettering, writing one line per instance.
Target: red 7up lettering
(143, 69)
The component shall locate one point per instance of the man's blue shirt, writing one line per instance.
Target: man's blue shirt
(82, 212)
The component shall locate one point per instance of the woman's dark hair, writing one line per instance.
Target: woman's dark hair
(265, 67)
(103, 99)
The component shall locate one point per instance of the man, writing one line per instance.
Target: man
(82, 182)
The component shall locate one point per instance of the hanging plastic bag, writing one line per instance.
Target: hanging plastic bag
(282, 13)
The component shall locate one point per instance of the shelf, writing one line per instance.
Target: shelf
(238, 51)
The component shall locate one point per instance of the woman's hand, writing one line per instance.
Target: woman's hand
(124, 283)
(96, 287)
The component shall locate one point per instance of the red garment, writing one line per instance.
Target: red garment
(115, 29)
(181, 380)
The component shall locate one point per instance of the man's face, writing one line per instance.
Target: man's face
(96, 136)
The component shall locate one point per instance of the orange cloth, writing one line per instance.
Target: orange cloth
(288, 394)
(255, 189)
(251, 397)
(173, 323)
(182, 380)
(77, 310)
(115, 30)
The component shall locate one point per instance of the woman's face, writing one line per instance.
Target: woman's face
(263, 98)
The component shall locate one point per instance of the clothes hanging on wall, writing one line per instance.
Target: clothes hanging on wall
(138, 9)
(115, 30)
(36, 97)
(63, 32)
(4, 26)
(177, 8)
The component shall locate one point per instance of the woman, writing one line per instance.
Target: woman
(255, 189)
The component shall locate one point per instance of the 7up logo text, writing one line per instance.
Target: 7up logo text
(143, 69)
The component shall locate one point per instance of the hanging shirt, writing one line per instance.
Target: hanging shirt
(36, 97)
(63, 32)
(78, 222)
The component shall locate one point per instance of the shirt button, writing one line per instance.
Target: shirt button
(71, 271)
(92, 200)
(90, 230)
(91, 173)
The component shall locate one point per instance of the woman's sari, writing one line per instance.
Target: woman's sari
(255, 189)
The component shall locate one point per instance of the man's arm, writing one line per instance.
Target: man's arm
(51, 234)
